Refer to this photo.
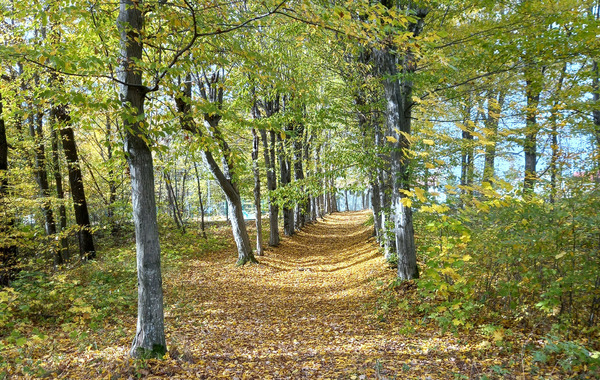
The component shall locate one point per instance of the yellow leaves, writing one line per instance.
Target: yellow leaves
(391, 139)
(560, 255)
(420, 194)
(428, 142)
(498, 335)
(435, 208)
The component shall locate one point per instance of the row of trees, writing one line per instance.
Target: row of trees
(426, 104)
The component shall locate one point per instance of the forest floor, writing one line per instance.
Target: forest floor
(313, 308)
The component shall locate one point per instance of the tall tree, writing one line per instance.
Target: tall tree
(495, 102)
(271, 108)
(87, 250)
(256, 173)
(150, 335)
(533, 90)
(37, 132)
(211, 90)
(398, 87)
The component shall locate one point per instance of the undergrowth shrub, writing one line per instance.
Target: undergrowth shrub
(521, 260)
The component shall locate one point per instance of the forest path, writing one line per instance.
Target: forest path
(308, 310)
(312, 309)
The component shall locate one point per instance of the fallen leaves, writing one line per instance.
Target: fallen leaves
(306, 311)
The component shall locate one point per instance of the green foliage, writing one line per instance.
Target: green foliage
(570, 356)
(527, 261)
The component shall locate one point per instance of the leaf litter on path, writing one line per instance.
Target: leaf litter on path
(307, 311)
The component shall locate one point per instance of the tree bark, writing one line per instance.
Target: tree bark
(285, 179)
(214, 94)
(554, 132)
(269, 155)
(60, 193)
(301, 207)
(533, 90)
(257, 205)
(495, 103)
(467, 155)
(202, 226)
(398, 96)
(376, 207)
(36, 131)
(149, 339)
(112, 186)
(596, 100)
(172, 198)
(82, 217)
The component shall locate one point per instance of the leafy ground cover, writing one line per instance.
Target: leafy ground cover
(318, 306)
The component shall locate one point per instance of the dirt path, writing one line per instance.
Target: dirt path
(307, 311)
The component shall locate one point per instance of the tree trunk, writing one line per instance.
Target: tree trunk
(60, 193)
(150, 336)
(494, 108)
(467, 154)
(554, 132)
(8, 249)
(286, 178)
(36, 131)
(271, 108)
(257, 206)
(319, 197)
(301, 207)
(234, 210)
(202, 227)
(172, 198)
(82, 217)
(398, 96)
(269, 154)
(112, 186)
(596, 100)
(533, 90)
(223, 177)
(376, 207)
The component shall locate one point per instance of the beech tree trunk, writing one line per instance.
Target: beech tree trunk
(149, 338)
(36, 131)
(467, 157)
(202, 226)
(82, 217)
(271, 108)
(257, 206)
(376, 207)
(112, 185)
(301, 207)
(213, 93)
(286, 178)
(173, 203)
(533, 90)
(60, 193)
(495, 103)
(554, 169)
(269, 155)
(398, 97)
